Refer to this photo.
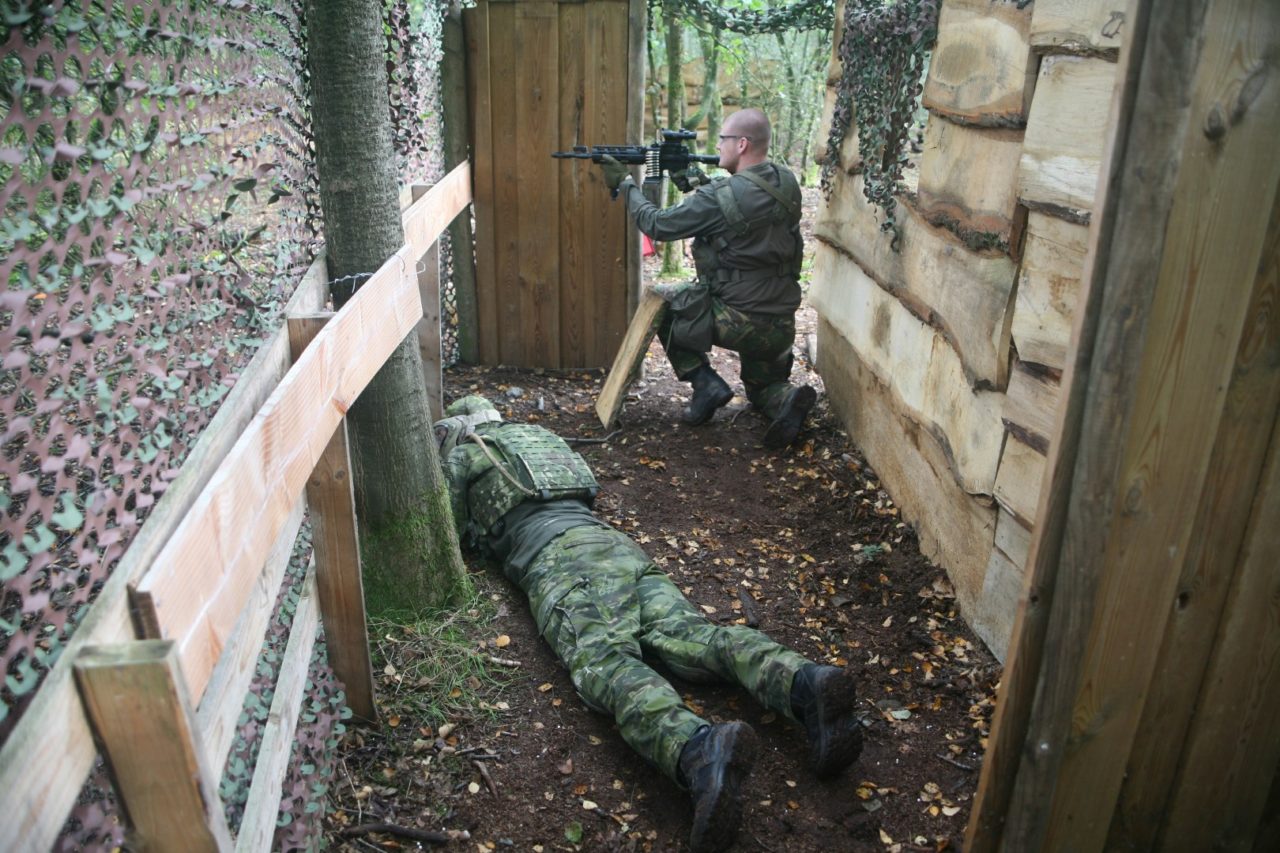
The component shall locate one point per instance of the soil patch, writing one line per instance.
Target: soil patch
(805, 544)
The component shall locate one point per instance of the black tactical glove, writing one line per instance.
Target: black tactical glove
(689, 179)
(614, 172)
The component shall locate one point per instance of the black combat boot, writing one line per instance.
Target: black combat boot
(713, 765)
(823, 698)
(786, 426)
(710, 392)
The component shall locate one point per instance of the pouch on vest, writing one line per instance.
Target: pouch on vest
(692, 322)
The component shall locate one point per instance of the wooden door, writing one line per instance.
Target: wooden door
(557, 262)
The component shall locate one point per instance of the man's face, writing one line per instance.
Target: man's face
(731, 145)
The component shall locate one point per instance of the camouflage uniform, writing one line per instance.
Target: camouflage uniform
(748, 250)
(601, 603)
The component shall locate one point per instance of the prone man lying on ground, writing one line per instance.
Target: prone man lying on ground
(524, 497)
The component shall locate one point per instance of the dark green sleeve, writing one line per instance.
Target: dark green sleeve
(697, 213)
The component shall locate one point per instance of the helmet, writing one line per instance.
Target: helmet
(463, 416)
(469, 405)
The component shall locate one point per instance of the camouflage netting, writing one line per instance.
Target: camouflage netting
(158, 207)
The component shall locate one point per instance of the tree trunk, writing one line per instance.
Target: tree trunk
(411, 552)
(453, 85)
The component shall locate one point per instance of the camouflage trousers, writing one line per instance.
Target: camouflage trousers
(602, 604)
(763, 344)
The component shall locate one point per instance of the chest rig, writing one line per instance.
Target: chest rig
(529, 463)
(741, 251)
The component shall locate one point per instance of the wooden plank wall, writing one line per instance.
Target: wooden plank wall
(555, 265)
(1138, 708)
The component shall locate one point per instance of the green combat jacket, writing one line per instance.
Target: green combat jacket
(747, 245)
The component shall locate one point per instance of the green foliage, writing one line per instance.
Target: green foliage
(883, 55)
(754, 17)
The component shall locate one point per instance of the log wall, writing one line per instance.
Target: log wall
(958, 341)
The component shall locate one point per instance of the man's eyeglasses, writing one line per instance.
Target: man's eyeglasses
(725, 136)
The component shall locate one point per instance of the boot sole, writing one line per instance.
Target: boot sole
(716, 826)
(784, 430)
(836, 696)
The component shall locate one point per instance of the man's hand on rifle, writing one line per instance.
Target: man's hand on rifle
(614, 172)
(689, 179)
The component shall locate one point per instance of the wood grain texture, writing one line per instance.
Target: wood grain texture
(335, 538)
(913, 359)
(1192, 700)
(1018, 480)
(993, 618)
(1048, 284)
(1062, 149)
(955, 529)
(966, 296)
(197, 586)
(982, 70)
(626, 365)
(141, 712)
(968, 179)
(1031, 408)
(475, 27)
(49, 753)
(1079, 26)
(576, 292)
(262, 809)
(1173, 263)
(537, 277)
(218, 713)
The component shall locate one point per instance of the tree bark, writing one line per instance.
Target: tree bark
(411, 550)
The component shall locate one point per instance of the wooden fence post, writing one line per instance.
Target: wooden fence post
(331, 496)
(140, 710)
(429, 338)
(453, 93)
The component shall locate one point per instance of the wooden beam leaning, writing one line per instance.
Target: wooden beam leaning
(197, 586)
(644, 325)
(49, 753)
(140, 709)
(336, 540)
(429, 335)
(263, 807)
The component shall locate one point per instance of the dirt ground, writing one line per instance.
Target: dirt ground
(805, 544)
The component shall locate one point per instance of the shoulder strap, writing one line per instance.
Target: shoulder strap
(789, 205)
(728, 203)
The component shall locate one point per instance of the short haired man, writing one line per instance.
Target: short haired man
(747, 250)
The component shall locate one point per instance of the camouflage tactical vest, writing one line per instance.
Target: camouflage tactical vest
(540, 461)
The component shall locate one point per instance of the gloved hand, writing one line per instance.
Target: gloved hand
(614, 172)
(689, 179)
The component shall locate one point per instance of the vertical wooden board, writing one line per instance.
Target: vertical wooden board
(538, 189)
(1211, 237)
(638, 25)
(503, 72)
(1013, 537)
(644, 325)
(1237, 467)
(142, 714)
(1079, 26)
(1031, 406)
(476, 28)
(1018, 480)
(968, 179)
(571, 175)
(982, 70)
(992, 617)
(1062, 149)
(607, 45)
(1052, 262)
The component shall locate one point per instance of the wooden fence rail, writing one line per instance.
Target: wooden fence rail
(205, 569)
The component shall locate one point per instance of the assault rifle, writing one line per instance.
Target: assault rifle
(668, 154)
